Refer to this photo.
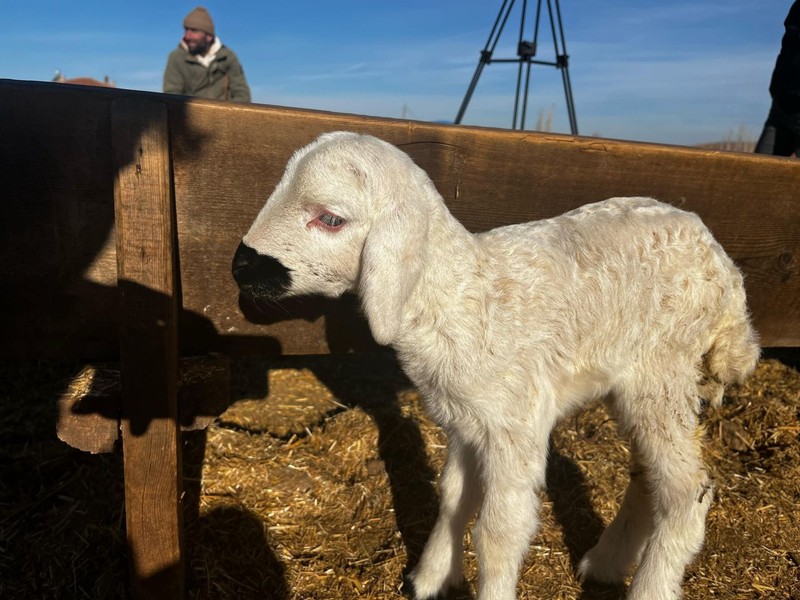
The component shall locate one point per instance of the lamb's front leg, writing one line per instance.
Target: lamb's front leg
(440, 566)
(513, 473)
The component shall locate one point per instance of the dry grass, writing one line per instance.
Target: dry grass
(739, 141)
(319, 484)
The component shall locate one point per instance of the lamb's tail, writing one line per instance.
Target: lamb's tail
(733, 355)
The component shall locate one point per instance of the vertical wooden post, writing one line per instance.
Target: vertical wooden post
(146, 259)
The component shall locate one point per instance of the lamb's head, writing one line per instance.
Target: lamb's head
(349, 214)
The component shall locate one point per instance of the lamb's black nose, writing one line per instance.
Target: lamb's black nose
(258, 275)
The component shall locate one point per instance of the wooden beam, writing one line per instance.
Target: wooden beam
(146, 258)
(488, 178)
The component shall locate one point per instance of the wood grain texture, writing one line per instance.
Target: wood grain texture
(488, 178)
(148, 346)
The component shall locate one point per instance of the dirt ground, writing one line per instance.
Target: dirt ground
(319, 483)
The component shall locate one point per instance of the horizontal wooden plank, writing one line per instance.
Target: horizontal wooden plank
(227, 159)
(90, 408)
(488, 178)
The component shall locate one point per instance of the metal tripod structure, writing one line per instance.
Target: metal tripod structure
(526, 51)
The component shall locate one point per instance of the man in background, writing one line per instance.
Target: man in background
(202, 66)
(781, 135)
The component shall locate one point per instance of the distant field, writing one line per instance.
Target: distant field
(735, 141)
(731, 145)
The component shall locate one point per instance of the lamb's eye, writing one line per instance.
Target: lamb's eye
(330, 220)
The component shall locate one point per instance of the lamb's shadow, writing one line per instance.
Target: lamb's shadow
(346, 330)
(580, 523)
(209, 563)
(400, 443)
(401, 447)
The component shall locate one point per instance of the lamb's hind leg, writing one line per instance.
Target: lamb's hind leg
(681, 496)
(440, 566)
(663, 430)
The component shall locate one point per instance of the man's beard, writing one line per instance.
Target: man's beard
(198, 49)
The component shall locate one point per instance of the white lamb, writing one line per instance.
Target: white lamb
(506, 331)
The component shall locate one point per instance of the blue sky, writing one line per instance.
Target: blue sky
(675, 72)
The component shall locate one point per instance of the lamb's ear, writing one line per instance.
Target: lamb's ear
(391, 264)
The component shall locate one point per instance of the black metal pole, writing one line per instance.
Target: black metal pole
(563, 60)
(486, 55)
(525, 53)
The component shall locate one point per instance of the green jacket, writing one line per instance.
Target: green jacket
(223, 79)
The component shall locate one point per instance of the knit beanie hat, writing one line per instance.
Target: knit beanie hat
(199, 19)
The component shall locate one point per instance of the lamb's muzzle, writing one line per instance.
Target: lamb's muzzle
(507, 331)
(259, 277)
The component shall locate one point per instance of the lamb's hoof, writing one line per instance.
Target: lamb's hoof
(409, 590)
(590, 569)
